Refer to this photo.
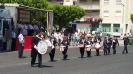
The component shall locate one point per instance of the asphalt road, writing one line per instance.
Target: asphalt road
(111, 64)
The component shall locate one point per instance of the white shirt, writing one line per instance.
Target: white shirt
(21, 38)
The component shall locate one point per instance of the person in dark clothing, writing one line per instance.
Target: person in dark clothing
(52, 52)
(34, 52)
(81, 43)
(13, 47)
(109, 43)
(126, 41)
(88, 44)
(114, 44)
(97, 45)
(105, 46)
(65, 43)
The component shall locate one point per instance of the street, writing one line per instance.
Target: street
(110, 64)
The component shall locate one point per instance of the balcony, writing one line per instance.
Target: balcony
(90, 4)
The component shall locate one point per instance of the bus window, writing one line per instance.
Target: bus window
(5, 26)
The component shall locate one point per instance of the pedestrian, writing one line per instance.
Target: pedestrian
(81, 45)
(34, 53)
(88, 45)
(97, 47)
(105, 46)
(109, 43)
(114, 44)
(126, 42)
(21, 44)
(52, 52)
(65, 44)
(13, 35)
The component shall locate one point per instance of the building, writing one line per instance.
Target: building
(115, 14)
(92, 8)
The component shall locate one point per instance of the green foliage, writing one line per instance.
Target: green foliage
(64, 14)
(132, 17)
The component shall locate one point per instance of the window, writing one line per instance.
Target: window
(106, 27)
(118, 2)
(116, 27)
(67, 0)
(106, 1)
(105, 13)
(118, 13)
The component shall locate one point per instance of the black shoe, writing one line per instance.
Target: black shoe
(65, 57)
(33, 65)
(40, 66)
(53, 60)
(88, 56)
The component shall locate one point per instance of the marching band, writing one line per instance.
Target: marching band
(43, 44)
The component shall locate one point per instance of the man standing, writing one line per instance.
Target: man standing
(13, 40)
(52, 53)
(126, 41)
(81, 46)
(65, 43)
(34, 52)
(109, 43)
(105, 46)
(114, 44)
(21, 44)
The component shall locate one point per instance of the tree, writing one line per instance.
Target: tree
(62, 14)
(65, 14)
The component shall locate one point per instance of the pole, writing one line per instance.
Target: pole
(124, 30)
(49, 22)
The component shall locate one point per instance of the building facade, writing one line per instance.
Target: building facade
(115, 14)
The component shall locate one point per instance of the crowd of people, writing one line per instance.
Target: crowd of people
(85, 42)
(10, 36)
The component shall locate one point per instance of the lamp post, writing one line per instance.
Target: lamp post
(123, 21)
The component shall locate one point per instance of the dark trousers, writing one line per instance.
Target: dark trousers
(13, 44)
(82, 52)
(20, 50)
(97, 52)
(4, 46)
(114, 49)
(88, 53)
(108, 49)
(105, 51)
(52, 54)
(65, 53)
(125, 49)
(34, 54)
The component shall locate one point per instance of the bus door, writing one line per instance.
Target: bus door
(5, 33)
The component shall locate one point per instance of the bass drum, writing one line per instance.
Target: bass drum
(42, 47)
